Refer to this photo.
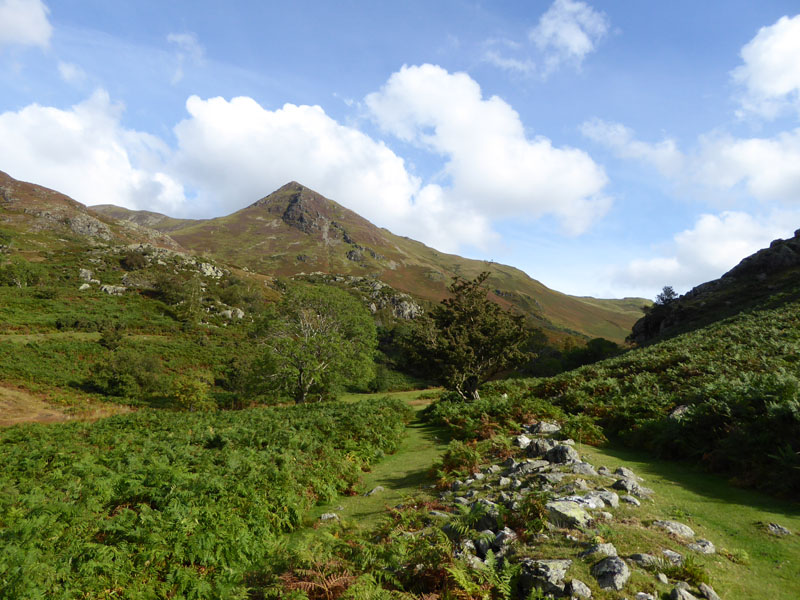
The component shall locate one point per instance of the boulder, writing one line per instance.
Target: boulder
(673, 557)
(113, 290)
(610, 498)
(582, 468)
(675, 528)
(565, 513)
(611, 573)
(703, 547)
(562, 454)
(84, 287)
(626, 473)
(522, 441)
(643, 560)
(708, 592)
(630, 500)
(539, 447)
(599, 550)
(577, 589)
(776, 529)
(680, 594)
(329, 517)
(546, 575)
(644, 596)
(85, 275)
(544, 428)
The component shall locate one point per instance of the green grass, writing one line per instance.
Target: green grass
(401, 474)
(719, 512)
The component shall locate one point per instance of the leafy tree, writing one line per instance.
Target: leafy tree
(316, 339)
(468, 339)
(667, 296)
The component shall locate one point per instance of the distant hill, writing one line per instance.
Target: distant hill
(295, 230)
(766, 279)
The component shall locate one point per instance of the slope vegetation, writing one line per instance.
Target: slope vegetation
(296, 230)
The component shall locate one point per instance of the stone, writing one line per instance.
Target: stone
(708, 592)
(577, 589)
(608, 497)
(456, 485)
(329, 517)
(675, 528)
(679, 594)
(484, 542)
(630, 500)
(504, 537)
(643, 560)
(673, 557)
(522, 441)
(546, 575)
(589, 501)
(539, 447)
(479, 476)
(564, 513)
(662, 578)
(644, 596)
(776, 529)
(376, 490)
(582, 468)
(113, 290)
(703, 547)
(631, 486)
(544, 428)
(599, 550)
(605, 516)
(84, 286)
(504, 482)
(611, 573)
(210, 270)
(679, 412)
(531, 466)
(493, 469)
(562, 454)
(85, 275)
(626, 473)
(604, 471)
(552, 477)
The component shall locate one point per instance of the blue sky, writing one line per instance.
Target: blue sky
(606, 148)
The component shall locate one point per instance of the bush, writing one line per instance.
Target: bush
(133, 261)
(191, 393)
(129, 374)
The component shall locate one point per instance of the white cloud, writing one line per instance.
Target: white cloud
(768, 168)
(521, 66)
(492, 167)
(567, 32)
(663, 155)
(189, 49)
(715, 244)
(771, 70)
(86, 154)
(71, 73)
(24, 22)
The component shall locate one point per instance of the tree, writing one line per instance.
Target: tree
(316, 339)
(468, 339)
(667, 296)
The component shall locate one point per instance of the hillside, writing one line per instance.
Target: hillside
(767, 278)
(296, 230)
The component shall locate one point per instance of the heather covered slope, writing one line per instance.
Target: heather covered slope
(296, 230)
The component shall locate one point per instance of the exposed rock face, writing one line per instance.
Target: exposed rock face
(565, 513)
(703, 303)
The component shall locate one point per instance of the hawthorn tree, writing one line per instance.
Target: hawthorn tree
(316, 339)
(468, 339)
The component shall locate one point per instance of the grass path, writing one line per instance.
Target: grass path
(400, 474)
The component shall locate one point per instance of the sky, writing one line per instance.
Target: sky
(605, 148)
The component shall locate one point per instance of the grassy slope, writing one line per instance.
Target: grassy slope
(258, 238)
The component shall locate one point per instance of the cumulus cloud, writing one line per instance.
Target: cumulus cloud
(85, 153)
(770, 72)
(25, 23)
(768, 168)
(713, 246)
(567, 32)
(491, 166)
(189, 50)
(663, 155)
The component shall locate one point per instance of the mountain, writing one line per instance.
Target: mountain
(38, 211)
(295, 230)
(766, 279)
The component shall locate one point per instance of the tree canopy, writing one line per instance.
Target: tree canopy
(468, 339)
(316, 339)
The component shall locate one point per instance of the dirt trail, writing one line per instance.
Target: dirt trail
(20, 406)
